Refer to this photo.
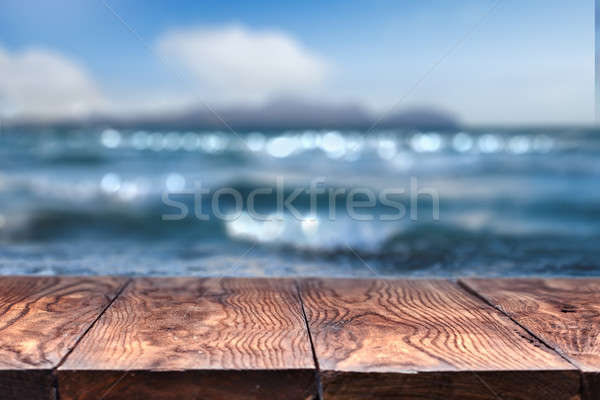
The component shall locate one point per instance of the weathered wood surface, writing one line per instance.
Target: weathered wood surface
(41, 320)
(425, 339)
(564, 313)
(187, 338)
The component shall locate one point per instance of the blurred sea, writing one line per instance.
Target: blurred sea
(512, 202)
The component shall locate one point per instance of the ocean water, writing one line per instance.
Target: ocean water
(489, 202)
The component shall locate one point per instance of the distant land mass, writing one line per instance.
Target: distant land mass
(283, 113)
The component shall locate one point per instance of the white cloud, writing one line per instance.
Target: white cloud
(44, 84)
(234, 63)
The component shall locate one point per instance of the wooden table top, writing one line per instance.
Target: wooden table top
(244, 338)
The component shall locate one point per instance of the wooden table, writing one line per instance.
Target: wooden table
(225, 338)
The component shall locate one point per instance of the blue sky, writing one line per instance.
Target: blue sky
(527, 62)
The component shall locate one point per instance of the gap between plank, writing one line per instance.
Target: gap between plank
(477, 295)
(469, 289)
(473, 292)
(62, 361)
(312, 345)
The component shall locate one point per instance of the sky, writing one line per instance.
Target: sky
(486, 61)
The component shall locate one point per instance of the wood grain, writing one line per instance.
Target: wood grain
(188, 338)
(41, 320)
(564, 313)
(425, 339)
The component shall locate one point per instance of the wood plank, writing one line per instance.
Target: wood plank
(41, 320)
(425, 339)
(188, 338)
(564, 313)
